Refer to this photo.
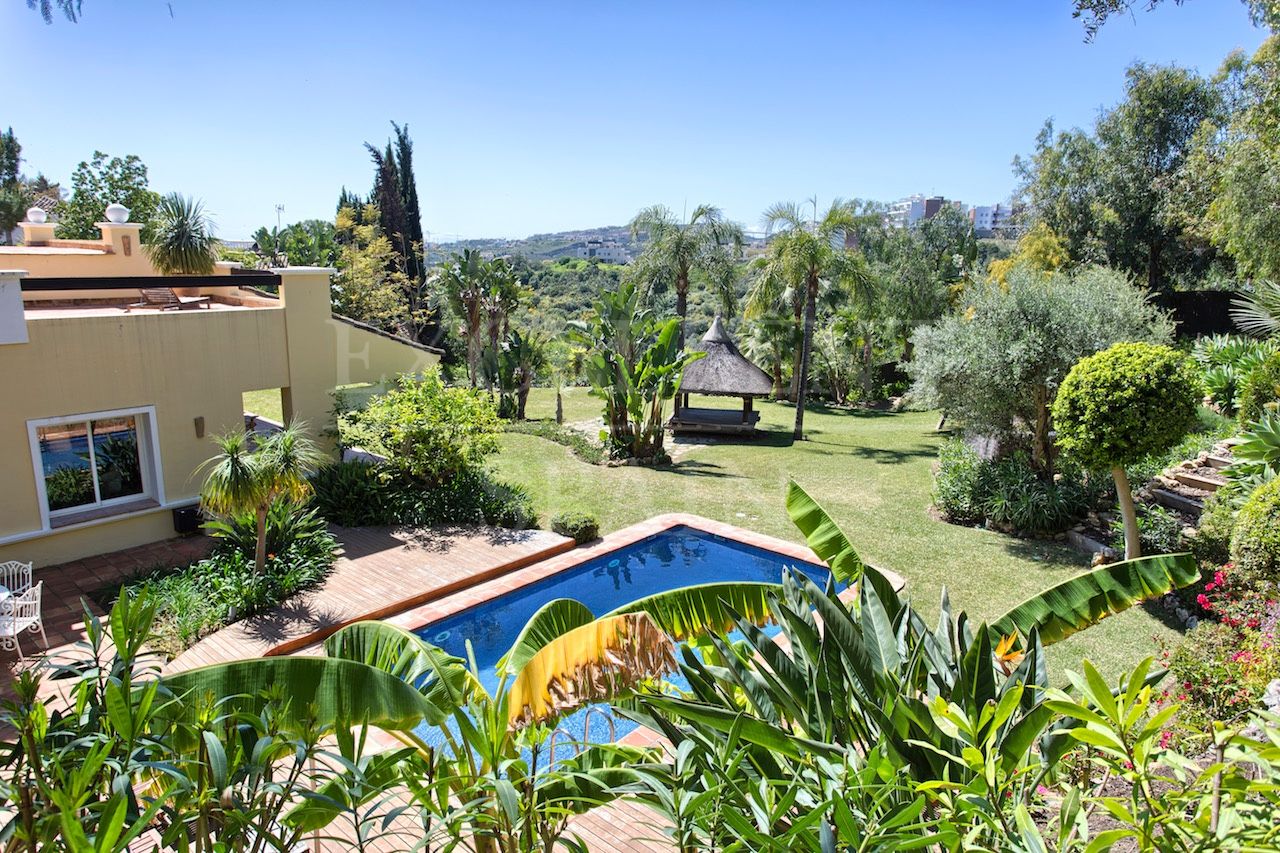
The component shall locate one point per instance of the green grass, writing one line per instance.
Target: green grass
(872, 472)
(265, 403)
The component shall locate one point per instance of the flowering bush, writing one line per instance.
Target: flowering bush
(1220, 669)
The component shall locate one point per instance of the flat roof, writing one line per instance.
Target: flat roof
(37, 311)
(49, 250)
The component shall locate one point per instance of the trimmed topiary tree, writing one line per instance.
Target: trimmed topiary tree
(1261, 390)
(1255, 543)
(1120, 405)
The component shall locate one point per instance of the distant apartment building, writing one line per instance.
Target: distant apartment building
(908, 211)
(988, 219)
(606, 251)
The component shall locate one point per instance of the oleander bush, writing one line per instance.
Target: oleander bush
(1255, 541)
(1261, 391)
(578, 526)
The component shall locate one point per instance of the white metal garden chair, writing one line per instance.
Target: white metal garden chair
(20, 613)
(15, 577)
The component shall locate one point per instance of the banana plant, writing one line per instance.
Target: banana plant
(956, 706)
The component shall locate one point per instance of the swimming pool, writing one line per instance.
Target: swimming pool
(677, 557)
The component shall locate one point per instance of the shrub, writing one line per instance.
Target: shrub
(1261, 390)
(578, 526)
(957, 485)
(1255, 542)
(1159, 531)
(352, 494)
(1121, 405)
(1219, 674)
(1009, 492)
(1212, 542)
(356, 494)
(427, 431)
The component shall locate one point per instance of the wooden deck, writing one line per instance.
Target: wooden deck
(381, 571)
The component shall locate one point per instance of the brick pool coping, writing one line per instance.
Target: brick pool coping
(448, 605)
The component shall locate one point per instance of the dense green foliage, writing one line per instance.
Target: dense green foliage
(224, 587)
(1129, 401)
(1255, 541)
(428, 432)
(356, 494)
(578, 526)
(99, 182)
(1226, 362)
(1009, 492)
(1261, 390)
(309, 243)
(996, 363)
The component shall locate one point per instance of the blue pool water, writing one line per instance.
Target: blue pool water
(674, 558)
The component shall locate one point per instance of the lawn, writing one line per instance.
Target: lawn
(871, 470)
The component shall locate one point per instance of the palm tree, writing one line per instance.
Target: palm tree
(770, 338)
(806, 256)
(182, 241)
(500, 297)
(1257, 312)
(248, 477)
(463, 282)
(707, 243)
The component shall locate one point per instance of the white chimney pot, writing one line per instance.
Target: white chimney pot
(36, 215)
(117, 213)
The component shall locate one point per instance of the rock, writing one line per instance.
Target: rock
(1060, 537)
(1271, 696)
(1099, 559)
(1192, 622)
(1189, 532)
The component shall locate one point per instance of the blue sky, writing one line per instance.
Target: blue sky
(534, 117)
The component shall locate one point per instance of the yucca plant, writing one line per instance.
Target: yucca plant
(249, 476)
(182, 241)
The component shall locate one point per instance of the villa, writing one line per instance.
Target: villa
(109, 406)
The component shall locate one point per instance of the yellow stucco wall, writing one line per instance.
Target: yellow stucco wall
(188, 365)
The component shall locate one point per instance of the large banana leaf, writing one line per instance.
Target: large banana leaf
(552, 620)
(695, 611)
(596, 662)
(1086, 599)
(337, 692)
(823, 535)
(442, 679)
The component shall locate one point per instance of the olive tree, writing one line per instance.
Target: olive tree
(1123, 404)
(996, 362)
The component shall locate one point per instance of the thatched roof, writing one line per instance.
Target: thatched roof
(724, 371)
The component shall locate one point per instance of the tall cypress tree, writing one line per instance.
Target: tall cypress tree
(409, 196)
(386, 195)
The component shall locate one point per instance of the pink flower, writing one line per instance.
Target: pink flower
(1165, 737)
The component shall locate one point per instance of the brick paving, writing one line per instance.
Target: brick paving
(67, 585)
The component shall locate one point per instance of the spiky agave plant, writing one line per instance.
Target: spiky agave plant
(182, 241)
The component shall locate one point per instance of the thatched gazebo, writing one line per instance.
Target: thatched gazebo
(723, 372)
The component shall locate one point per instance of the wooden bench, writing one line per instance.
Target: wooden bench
(166, 299)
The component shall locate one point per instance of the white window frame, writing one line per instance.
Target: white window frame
(144, 418)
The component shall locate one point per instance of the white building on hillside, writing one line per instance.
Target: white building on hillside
(606, 251)
(990, 218)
